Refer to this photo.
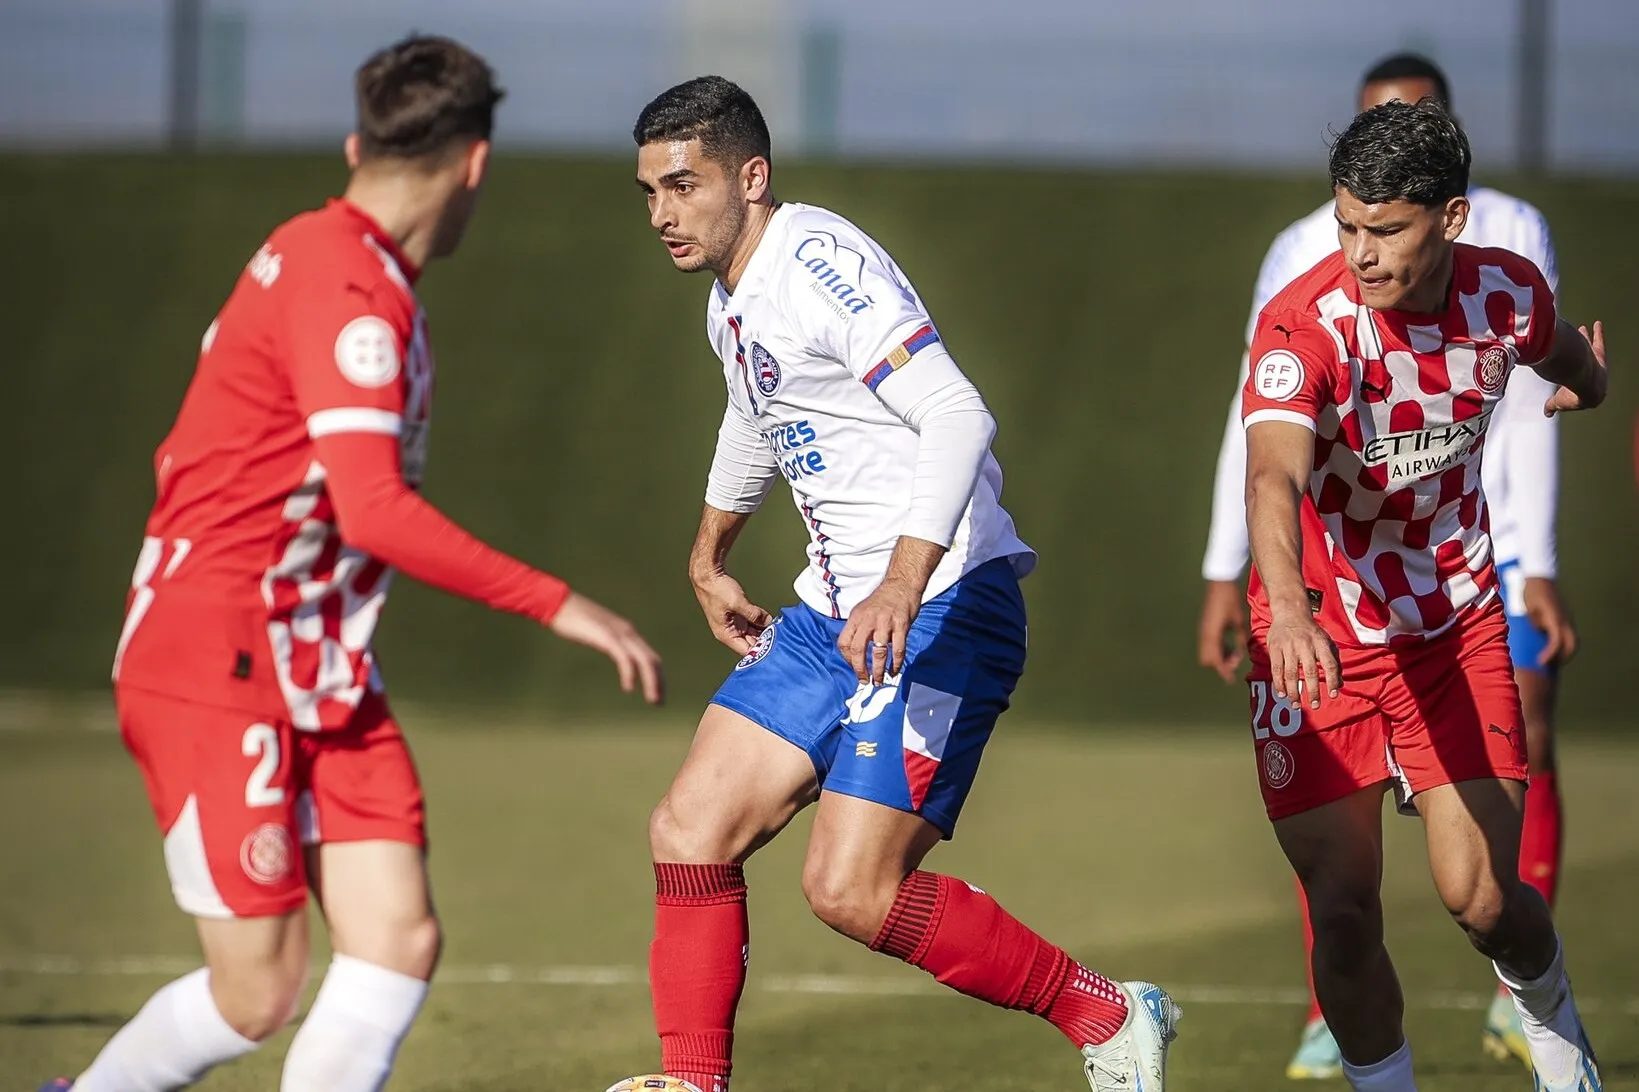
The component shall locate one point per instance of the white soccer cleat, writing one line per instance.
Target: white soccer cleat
(1135, 1058)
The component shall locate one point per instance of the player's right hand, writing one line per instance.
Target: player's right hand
(591, 624)
(1222, 638)
(1300, 656)
(734, 619)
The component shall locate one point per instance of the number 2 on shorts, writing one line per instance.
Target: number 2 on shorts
(1281, 715)
(263, 740)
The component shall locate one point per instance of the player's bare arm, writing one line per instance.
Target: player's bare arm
(1279, 455)
(734, 619)
(873, 641)
(1577, 364)
(1221, 644)
(1549, 614)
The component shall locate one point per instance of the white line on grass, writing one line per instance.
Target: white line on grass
(489, 974)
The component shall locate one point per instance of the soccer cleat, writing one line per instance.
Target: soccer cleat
(1504, 1035)
(1318, 1058)
(61, 1084)
(1583, 1078)
(1134, 1059)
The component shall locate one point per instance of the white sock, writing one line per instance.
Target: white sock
(352, 1032)
(1392, 1074)
(175, 1039)
(1548, 1016)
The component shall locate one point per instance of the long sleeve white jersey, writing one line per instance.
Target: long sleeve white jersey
(1520, 472)
(837, 381)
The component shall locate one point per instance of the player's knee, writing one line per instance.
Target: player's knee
(853, 905)
(257, 1001)
(420, 944)
(689, 839)
(1347, 921)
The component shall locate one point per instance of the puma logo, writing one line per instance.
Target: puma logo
(1284, 330)
(1509, 734)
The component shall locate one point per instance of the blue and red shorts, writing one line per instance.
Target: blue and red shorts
(913, 743)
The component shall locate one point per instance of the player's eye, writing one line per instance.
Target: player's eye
(683, 187)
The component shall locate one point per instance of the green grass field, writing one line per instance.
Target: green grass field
(1145, 852)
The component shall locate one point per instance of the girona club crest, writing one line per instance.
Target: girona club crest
(267, 855)
(1491, 369)
(1278, 764)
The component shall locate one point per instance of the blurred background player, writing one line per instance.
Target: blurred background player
(1374, 377)
(1521, 484)
(877, 693)
(245, 683)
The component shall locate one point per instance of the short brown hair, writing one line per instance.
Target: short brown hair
(421, 95)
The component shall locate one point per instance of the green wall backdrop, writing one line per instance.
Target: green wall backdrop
(1101, 313)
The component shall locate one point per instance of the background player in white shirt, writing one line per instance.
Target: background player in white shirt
(876, 694)
(1520, 478)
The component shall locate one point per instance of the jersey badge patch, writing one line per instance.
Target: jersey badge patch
(367, 352)
(1278, 376)
(765, 369)
(1491, 369)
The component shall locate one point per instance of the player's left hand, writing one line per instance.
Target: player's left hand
(1547, 612)
(1565, 399)
(873, 641)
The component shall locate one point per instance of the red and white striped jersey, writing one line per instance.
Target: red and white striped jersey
(245, 594)
(1396, 541)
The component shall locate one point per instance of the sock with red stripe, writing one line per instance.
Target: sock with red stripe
(697, 968)
(1542, 839)
(1308, 953)
(964, 938)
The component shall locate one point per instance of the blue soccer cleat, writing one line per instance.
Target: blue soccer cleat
(61, 1084)
(1318, 1058)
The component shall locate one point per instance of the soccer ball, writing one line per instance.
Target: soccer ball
(653, 1082)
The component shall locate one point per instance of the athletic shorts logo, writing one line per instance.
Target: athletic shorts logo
(1278, 764)
(765, 641)
(1278, 376)
(765, 368)
(1491, 369)
(266, 854)
(367, 352)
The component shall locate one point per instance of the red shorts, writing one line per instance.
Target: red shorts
(1421, 715)
(237, 796)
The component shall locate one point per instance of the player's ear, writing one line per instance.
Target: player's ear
(754, 179)
(350, 151)
(477, 163)
(1455, 218)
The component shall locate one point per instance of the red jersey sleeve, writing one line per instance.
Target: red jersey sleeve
(1292, 375)
(346, 345)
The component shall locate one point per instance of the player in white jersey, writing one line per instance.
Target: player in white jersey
(876, 694)
(1519, 477)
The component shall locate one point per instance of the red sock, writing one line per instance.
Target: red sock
(1308, 953)
(1542, 840)
(697, 968)
(964, 938)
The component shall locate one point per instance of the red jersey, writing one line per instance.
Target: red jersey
(1396, 544)
(285, 489)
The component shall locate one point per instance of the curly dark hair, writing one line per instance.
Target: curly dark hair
(1398, 151)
